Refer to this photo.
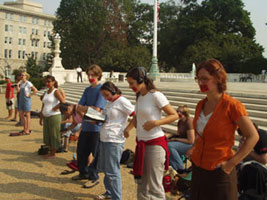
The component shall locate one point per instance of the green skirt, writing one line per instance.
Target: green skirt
(51, 131)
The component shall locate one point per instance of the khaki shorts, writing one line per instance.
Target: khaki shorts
(12, 106)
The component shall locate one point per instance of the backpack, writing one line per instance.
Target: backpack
(252, 180)
(127, 157)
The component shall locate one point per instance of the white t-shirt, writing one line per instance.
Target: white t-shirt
(117, 113)
(148, 107)
(79, 69)
(202, 122)
(28, 87)
(50, 101)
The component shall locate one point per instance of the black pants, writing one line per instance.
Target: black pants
(88, 143)
(79, 75)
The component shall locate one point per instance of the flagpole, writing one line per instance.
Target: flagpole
(154, 70)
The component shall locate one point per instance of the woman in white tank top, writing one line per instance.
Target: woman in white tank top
(51, 118)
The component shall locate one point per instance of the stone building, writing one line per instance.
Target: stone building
(24, 32)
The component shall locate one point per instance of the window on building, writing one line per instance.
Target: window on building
(36, 43)
(44, 44)
(11, 16)
(32, 43)
(44, 33)
(33, 31)
(20, 18)
(6, 15)
(33, 20)
(48, 33)
(36, 32)
(45, 22)
(37, 20)
(36, 55)
(20, 29)
(25, 19)
(10, 40)
(24, 30)
(23, 54)
(10, 53)
(6, 40)
(6, 27)
(24, 42)
(44, 56)
(6, 51)
(19, 41)
(32, 54)
(19, 54)
(10, 28)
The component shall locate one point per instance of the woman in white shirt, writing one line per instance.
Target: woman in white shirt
(50, 119)
(152, 148)
(117, 110)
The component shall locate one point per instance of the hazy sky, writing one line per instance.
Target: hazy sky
(257, 9)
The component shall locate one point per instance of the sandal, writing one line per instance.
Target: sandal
(102, 196)
(17, 133)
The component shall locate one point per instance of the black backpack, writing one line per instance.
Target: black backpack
(252, 179)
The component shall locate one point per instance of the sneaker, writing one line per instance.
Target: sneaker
(90, 184)
(103, 196)
(79, 177)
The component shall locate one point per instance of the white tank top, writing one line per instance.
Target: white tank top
(50, 101)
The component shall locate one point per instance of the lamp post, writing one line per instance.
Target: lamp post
(154, 70)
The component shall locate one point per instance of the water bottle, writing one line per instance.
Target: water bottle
(73, 156)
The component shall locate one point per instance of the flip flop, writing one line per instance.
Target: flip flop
(65, 172)
(16, 133)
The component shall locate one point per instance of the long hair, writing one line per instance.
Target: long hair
(52, 78)
(111, 87)
(63, 107)
(140, 75)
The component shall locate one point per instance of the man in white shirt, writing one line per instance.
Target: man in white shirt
(79, 73)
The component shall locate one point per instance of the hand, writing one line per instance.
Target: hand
(189, 153)
(126, 133)
(41, 121)
(226, 166)
(149, 125)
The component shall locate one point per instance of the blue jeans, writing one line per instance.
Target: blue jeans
(177, 149)
(109, 163)
(74, 130)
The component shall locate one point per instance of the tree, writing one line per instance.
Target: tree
(99, 31)
(32, 68)
(215, 28)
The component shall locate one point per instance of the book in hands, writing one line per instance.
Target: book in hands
(93, 115)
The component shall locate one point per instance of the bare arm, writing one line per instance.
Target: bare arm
(190, 137)
(34, 91)
(67, 120)
(251, 135)
(130, 126)
(59, 96)
(171, 116)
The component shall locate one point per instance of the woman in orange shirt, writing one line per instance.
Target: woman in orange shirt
(216, 118)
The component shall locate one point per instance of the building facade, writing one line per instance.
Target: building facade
(24, 32)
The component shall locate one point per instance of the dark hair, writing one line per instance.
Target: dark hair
(111, 87)
(140, 75)
(52, 78)
(63, 107)
(215, 69)
(96, 70)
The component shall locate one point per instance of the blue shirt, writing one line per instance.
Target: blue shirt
(92, 97)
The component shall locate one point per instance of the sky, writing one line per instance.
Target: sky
(257, 9)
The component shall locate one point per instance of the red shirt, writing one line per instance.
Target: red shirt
(9, 91)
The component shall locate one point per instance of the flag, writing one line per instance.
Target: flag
(158, 8)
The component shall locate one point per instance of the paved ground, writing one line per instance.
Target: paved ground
(26, 175)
